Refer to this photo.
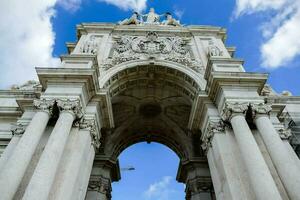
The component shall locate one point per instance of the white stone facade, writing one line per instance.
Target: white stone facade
(177, 85)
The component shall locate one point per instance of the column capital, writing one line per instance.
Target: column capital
(259, 109)
(213, 127)
(100, 184)
(198, 185)
(232, 109)
(18, 129)
(45, 105)
(72, 106)
(90, 125)
(285, 134)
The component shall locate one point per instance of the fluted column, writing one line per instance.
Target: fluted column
(285, 165)
(99, 188)
(87, 137)
(260, 177)
(17, 132)
(12, 173)
(44, 174)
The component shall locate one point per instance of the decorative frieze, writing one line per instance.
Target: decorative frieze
(234, 108)
(90, 125)
(69, 105)
(260, 109)
(213, 127)
(44, 104)
(100, 184)
(18, 129)
(151, 46)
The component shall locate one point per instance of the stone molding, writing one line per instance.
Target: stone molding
(260, 109)
(72, 106)
(285, 134)
(213, 127)
(44, 105)
(100, 184)
(90, 125)
(18, 129)
(232, 109)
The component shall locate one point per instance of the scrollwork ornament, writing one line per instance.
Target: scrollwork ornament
(90, 125)
(213, 127)
(44, 104)
(18, 129)
(285, 134)
(260, 109)
(72, 106)
(234, 108)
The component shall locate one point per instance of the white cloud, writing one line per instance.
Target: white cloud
(281, 32)
(70, 5)
(160, 190)
(136, 5)
(26, 40)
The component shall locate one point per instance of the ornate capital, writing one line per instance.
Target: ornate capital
(44, 104)
(211, 130)
(198, 185)
(72, 106)
(90, 125)
(18, 129)
(234, 108)
(285, 134)
(260, 109)
(101, 185)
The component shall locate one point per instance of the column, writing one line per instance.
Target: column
(260, 177)
(99, 188)
(44, 174)
(13, 172)
(80, 150)
(285, 165)
(83, 180)
(225, 174)
(17, 132)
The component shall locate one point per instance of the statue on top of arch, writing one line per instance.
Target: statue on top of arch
(150, 18)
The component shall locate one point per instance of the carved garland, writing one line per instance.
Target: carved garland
(151, 46)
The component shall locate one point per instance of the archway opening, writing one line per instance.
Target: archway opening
(148, 172)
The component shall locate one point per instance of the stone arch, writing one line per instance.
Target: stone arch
(188, 71)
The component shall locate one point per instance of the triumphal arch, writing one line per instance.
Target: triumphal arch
(148, 78)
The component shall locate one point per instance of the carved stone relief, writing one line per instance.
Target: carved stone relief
(151, 46)
(90, 45)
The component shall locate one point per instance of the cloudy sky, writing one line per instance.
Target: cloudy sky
(265, 32)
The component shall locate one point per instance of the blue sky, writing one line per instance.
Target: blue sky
(265, 32)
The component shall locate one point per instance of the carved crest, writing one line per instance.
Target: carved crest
(151, 46)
